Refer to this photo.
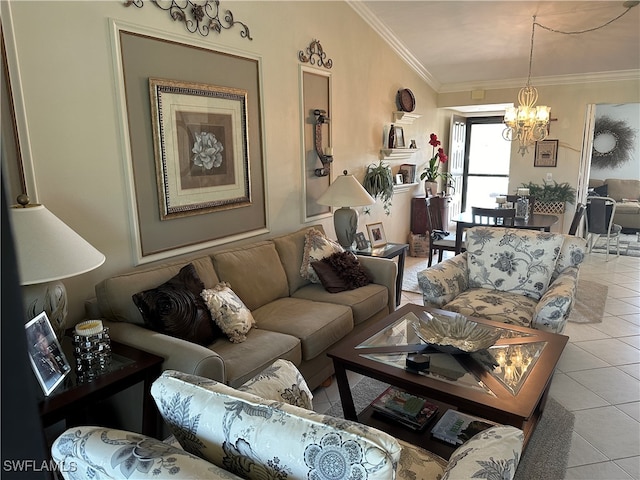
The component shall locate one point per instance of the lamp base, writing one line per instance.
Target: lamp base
(345, 222)
(50, 298)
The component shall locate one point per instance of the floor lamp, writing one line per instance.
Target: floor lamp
(346, 192)
(47, 252)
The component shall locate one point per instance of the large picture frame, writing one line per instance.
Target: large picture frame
(188, 60)
(376, 234)
(201, 147)
(47, 360)
(546, 154)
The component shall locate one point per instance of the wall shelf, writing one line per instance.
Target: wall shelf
(404, 186)
(405, 118)
(397, 153)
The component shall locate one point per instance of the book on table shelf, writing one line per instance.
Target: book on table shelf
(409, 410)
(456, 427)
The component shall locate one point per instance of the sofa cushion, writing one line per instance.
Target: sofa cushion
(364, 302)
(283, 382)
(506, 307)
(228, 312)
(290, 247)
(316, 247)
(418, 463)
(512, 260)
(243, 361)
(256, 438)
(255, 273)
(317, 325)
(623, 188)
(631, 208)
(114, 294)
(341, 271)
(175, 308)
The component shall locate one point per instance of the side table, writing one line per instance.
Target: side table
(129, 366)
(390, 250)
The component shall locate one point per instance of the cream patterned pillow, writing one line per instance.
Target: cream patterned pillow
(512, 260)
(228, 312)
(316, 247)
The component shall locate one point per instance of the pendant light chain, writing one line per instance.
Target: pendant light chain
(578, 32)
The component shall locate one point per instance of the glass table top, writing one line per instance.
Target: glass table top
(509, 360)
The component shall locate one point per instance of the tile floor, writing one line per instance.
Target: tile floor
(598, 377)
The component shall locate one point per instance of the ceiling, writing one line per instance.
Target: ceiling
(461, 45)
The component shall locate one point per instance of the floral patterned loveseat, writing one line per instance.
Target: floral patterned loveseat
(266, 430)
(515, 276)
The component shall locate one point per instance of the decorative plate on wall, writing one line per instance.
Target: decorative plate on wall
(406, 100)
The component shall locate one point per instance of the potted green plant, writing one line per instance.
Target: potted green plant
(551, 197)
(378, 181)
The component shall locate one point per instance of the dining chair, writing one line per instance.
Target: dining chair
(577, 217)
(599, 220)
(514, 198)
(437, 238)
(500, 217)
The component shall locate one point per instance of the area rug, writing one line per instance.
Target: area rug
(629, 245)
(546, 454)
(412, 266)
(589, 303)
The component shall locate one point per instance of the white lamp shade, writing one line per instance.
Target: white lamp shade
(346, 191)
(47, 248)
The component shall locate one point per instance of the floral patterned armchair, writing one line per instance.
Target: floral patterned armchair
(515, 276)
(265, 429)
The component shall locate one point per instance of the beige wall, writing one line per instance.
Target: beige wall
(71, 114)
(568, 105)
(74, 126)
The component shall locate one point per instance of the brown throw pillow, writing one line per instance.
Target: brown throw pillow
(175, 308)
(341, 271)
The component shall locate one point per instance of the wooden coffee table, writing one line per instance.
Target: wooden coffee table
(507, 383)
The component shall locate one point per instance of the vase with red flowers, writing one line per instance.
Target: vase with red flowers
(432, 171)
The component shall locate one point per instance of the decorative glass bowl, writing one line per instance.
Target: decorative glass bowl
(455, 334)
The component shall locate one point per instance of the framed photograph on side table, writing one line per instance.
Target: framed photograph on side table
(376, 234)
(546, 154)
(361, 241)
(49, 363)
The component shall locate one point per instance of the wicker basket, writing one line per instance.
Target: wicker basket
(551, 208)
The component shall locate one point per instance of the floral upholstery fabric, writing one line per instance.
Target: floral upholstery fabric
(453, 284)
(553, 310)
(283, 382)
(101, 453)
(228, 311)
(444, 281)
(256, 438)
(419, 464)
(511, 259)
(316, 247)
(505, 307)
(491, 454)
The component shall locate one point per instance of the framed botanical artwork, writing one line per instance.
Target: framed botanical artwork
(376, 234)
(47, 360)
(200, 143)
(546, 153)
(361, 241)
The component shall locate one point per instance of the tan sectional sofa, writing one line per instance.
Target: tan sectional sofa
(627, 193)
(295, 320)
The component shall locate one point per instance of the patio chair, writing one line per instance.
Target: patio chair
(600, 213)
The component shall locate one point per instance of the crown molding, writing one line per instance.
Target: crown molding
(393, 41)
(388, 36)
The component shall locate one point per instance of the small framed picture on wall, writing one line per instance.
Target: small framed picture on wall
(546, 154)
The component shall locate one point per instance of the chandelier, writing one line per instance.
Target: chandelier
(527, 123)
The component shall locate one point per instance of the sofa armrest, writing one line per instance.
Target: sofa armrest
(96, 452)
(178, 354)
(553, 309)
(444, 281)
(384, 271)
(492, 453)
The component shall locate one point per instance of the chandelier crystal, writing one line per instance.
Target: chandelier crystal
(527, 123)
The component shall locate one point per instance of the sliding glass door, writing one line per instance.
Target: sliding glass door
(487, 157)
